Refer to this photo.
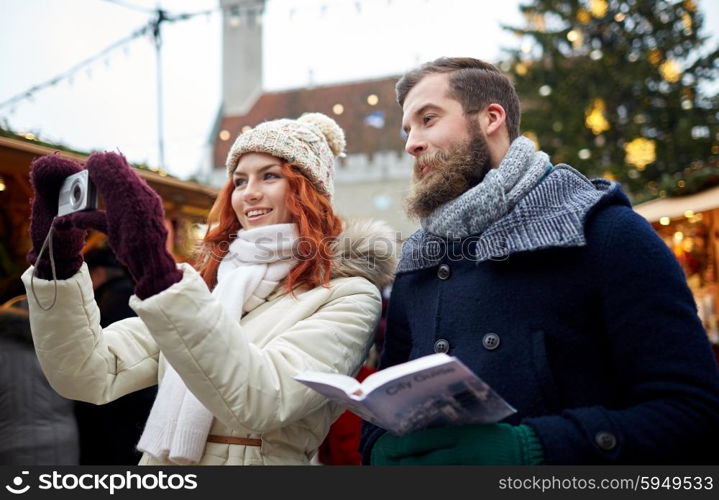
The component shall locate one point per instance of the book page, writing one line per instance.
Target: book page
(327, 383)
(340, 388)
(432, 391)
(387, 375)
(445, 394)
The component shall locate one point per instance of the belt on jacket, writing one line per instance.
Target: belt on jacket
(212, 438)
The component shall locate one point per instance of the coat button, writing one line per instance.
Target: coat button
(443, 272)
(490, 341)
(606, 440)
(441, 345)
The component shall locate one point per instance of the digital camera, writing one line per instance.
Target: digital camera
(77, 193)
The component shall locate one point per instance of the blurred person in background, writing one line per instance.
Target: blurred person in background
(37, 426)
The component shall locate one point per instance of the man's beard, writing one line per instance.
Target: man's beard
(450, 174)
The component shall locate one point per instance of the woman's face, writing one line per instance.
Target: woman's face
(260, 189)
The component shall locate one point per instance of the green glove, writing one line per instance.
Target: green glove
(486, 444)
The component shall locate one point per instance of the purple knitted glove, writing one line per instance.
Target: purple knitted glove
(47, 174)
(135, 227)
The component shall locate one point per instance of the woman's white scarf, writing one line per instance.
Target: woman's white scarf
(256, 262)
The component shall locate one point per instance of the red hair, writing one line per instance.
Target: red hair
(317, 227)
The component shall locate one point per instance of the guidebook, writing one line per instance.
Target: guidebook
(431, 391)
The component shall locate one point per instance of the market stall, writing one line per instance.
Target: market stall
(690, 227)
(186, 204)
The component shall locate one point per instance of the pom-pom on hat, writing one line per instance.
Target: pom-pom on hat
(311, 142)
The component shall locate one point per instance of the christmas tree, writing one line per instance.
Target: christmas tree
(619, 89)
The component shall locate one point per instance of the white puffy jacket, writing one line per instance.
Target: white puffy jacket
(242, 372)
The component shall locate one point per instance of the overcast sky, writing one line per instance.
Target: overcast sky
(112, 105)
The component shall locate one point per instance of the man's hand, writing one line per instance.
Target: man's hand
(482, 444)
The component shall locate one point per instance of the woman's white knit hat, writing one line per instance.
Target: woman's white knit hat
(311, 142)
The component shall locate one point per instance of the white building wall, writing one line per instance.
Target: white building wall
(375, 188)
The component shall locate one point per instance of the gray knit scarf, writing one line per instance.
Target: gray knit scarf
(475, 210)
(550, 213)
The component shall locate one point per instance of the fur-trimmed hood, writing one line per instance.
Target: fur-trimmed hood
(366, 248)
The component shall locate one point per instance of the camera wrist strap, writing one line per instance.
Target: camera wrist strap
(48, 241)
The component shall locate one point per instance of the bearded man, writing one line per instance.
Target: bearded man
(547, 285)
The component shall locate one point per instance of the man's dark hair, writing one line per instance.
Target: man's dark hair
(474, 83)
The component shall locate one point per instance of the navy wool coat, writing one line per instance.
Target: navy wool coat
(596, 344)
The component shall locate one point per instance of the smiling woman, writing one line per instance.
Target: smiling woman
(280, 172)
(260, 191)
(280, 285)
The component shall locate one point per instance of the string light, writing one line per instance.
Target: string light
(69, 75)
(576, 38)
(598, 8)
(640, 152)
(609, 176)
(670, 71)
(595, 119)
(103, 55)
(536, 21)
(687, 22)
(583, 16)
(655, 57)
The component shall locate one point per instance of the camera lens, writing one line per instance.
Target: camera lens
(76, 194)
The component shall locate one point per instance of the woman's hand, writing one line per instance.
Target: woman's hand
(135, 223)
(47, 175)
